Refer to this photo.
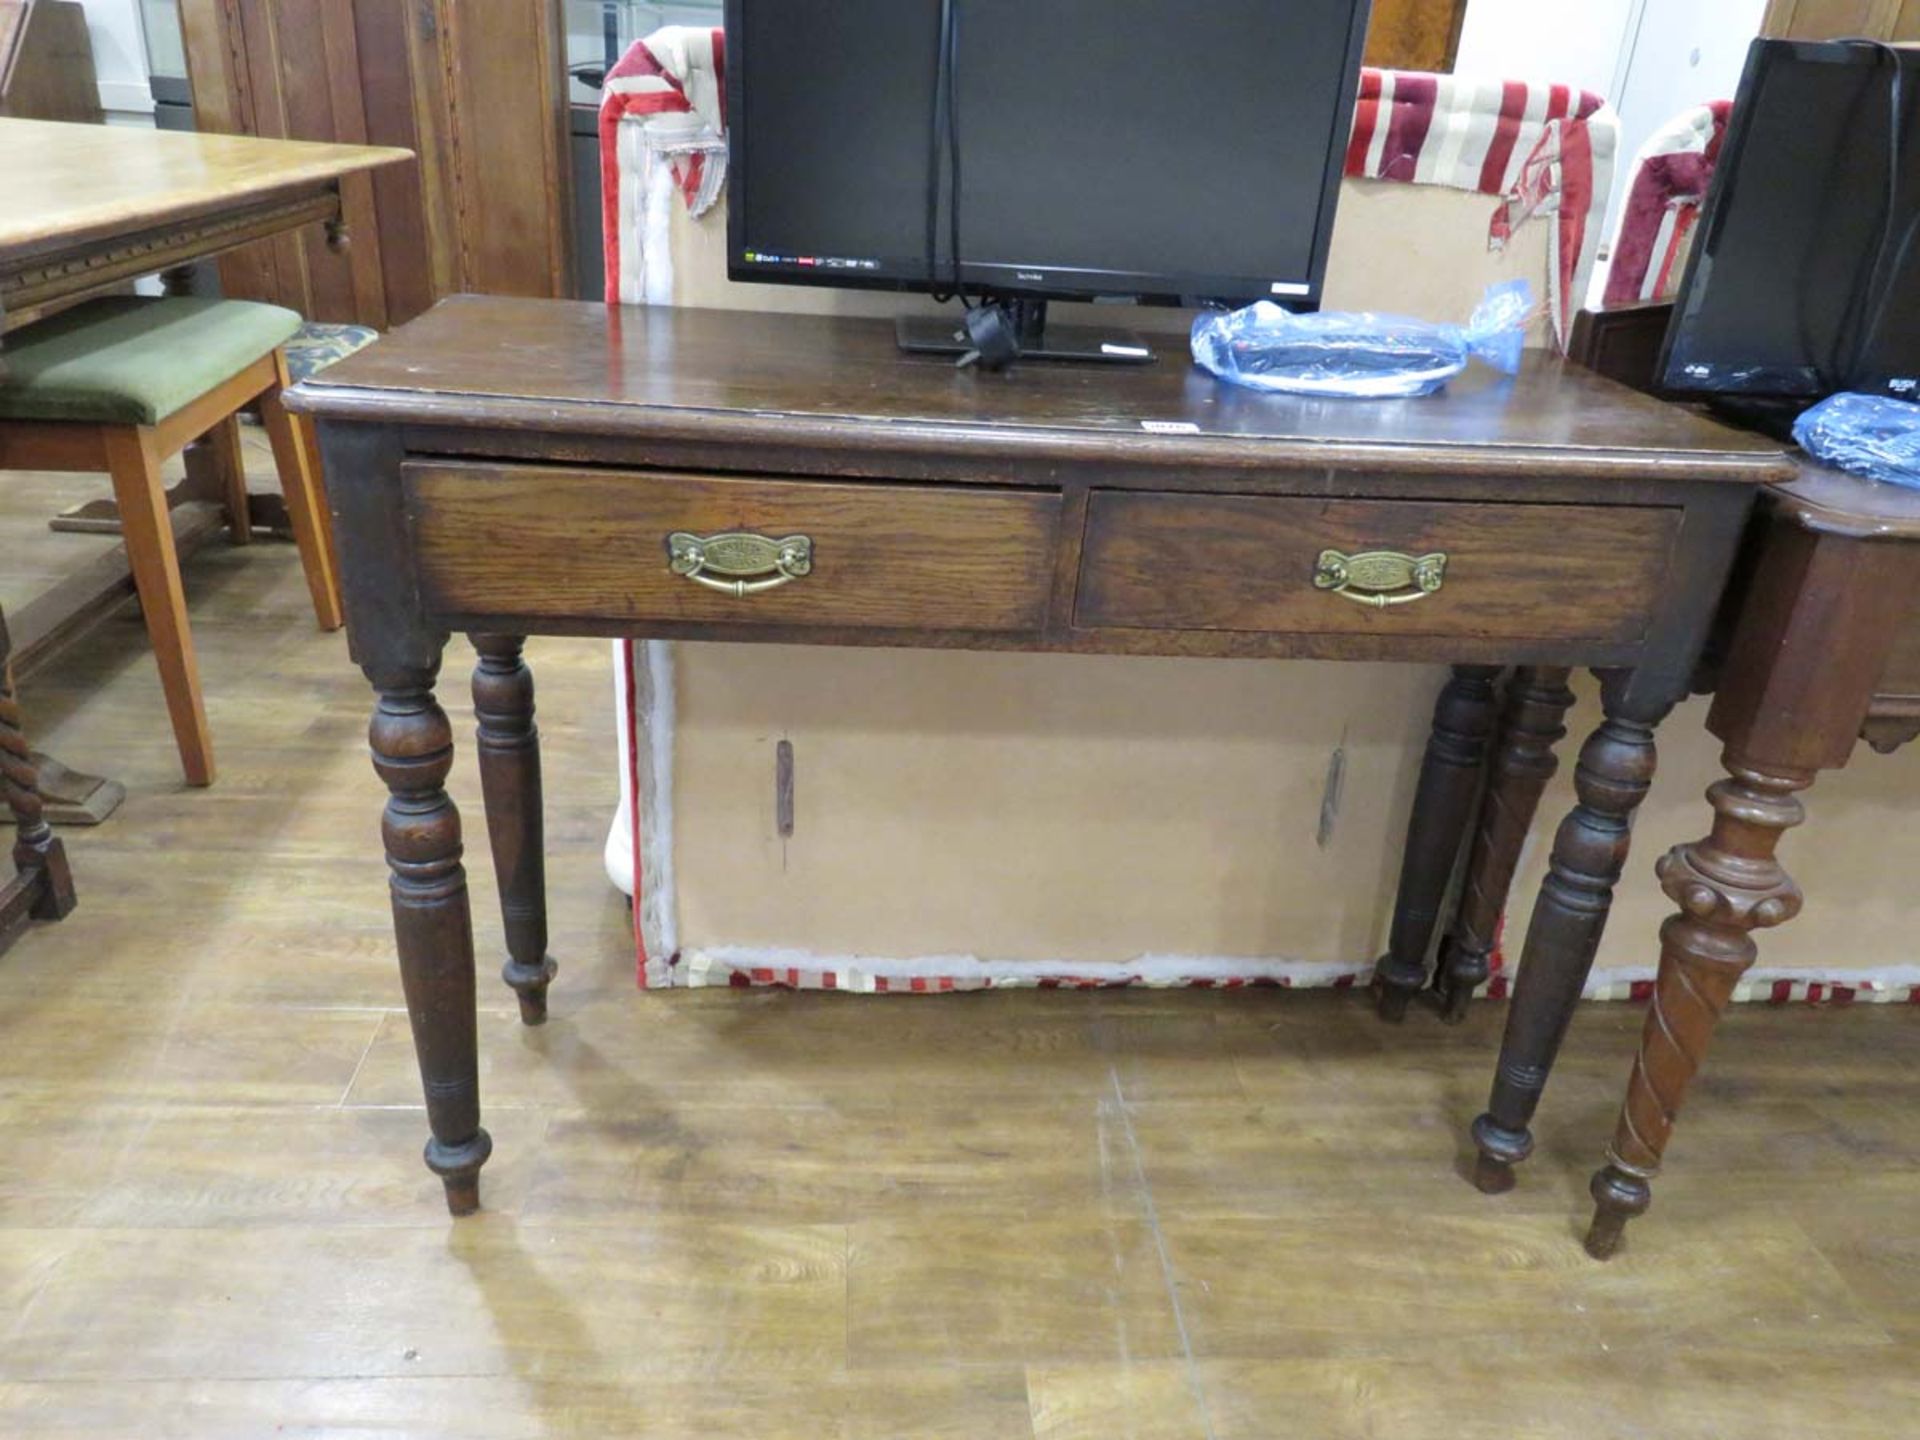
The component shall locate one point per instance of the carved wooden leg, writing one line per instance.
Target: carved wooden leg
(510, 781)
(1727, 886)
(38, 855)
(1613, 775)
(1442, 811)
(1531, 724)
(413, 751)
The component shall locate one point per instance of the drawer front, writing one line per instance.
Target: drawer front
(1262, 563)
(641, 545)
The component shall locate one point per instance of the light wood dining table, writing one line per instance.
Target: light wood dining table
(86, 210)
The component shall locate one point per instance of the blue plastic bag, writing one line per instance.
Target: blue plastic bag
(1360, 355)
(1871, 435)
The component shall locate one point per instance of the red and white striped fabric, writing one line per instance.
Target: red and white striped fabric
(1763, 989)
(745, 968)
(671, 86)
(1663, 202)
(1759, 986)
(1544, 149)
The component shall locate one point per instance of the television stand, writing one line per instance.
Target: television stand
(1085, 344)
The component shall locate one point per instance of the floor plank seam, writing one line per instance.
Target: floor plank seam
(378, 1025)
(1160, 1248)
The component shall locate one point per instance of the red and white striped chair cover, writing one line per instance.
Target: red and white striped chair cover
(1543, 149)
(1669, 185)
(663, 131)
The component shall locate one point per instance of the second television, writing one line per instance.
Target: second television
(1162, 151)
(1799, 283)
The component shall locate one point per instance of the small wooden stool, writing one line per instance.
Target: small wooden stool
(123, 383)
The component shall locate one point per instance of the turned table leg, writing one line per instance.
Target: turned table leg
(1727, 886)
(1442, 810)
(1613, 774)
(38, 856)
(1531, 724)
(413, 752)
(509, 747)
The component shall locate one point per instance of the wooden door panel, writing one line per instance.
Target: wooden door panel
(477, 91)
(510, 170)
(1415, 34)
(1835, 19)
(382, 40)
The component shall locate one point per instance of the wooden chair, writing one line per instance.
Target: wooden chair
(122, 384)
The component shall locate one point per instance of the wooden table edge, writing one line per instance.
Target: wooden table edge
(613, 419)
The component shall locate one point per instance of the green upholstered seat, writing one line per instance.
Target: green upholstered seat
(130, 360)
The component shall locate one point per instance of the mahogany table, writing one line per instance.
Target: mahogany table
(503, 467)
(1818, 644)
(1826, 650)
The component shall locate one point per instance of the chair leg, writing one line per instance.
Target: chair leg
(316, 472)
(133, 460)
(224, 442)
(303, 508)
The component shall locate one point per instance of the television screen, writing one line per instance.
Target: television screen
(1780, 297)
(1146, 148)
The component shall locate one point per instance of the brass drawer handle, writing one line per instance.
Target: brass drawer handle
(1379, 578)
(739, 563)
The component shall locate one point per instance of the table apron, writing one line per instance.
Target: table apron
(31, 281)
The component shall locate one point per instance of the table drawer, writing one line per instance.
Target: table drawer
(643, 545)
(1271, 563)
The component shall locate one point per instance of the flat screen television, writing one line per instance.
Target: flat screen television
(1801, 281)
(1170, 151)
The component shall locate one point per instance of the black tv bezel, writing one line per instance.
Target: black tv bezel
(1805, 382)
(1060, 283)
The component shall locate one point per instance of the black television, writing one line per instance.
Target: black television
(1800, 282)
(1153, 151)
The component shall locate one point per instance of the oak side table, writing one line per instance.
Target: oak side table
(505, 467)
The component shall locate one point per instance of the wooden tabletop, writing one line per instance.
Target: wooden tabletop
(65, 184)
(1837, 503)
(637, 371)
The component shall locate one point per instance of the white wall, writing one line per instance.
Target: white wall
(1576, 42)
(1681, 55)
(120, 60)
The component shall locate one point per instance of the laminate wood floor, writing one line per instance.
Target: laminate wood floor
(759, 1214)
